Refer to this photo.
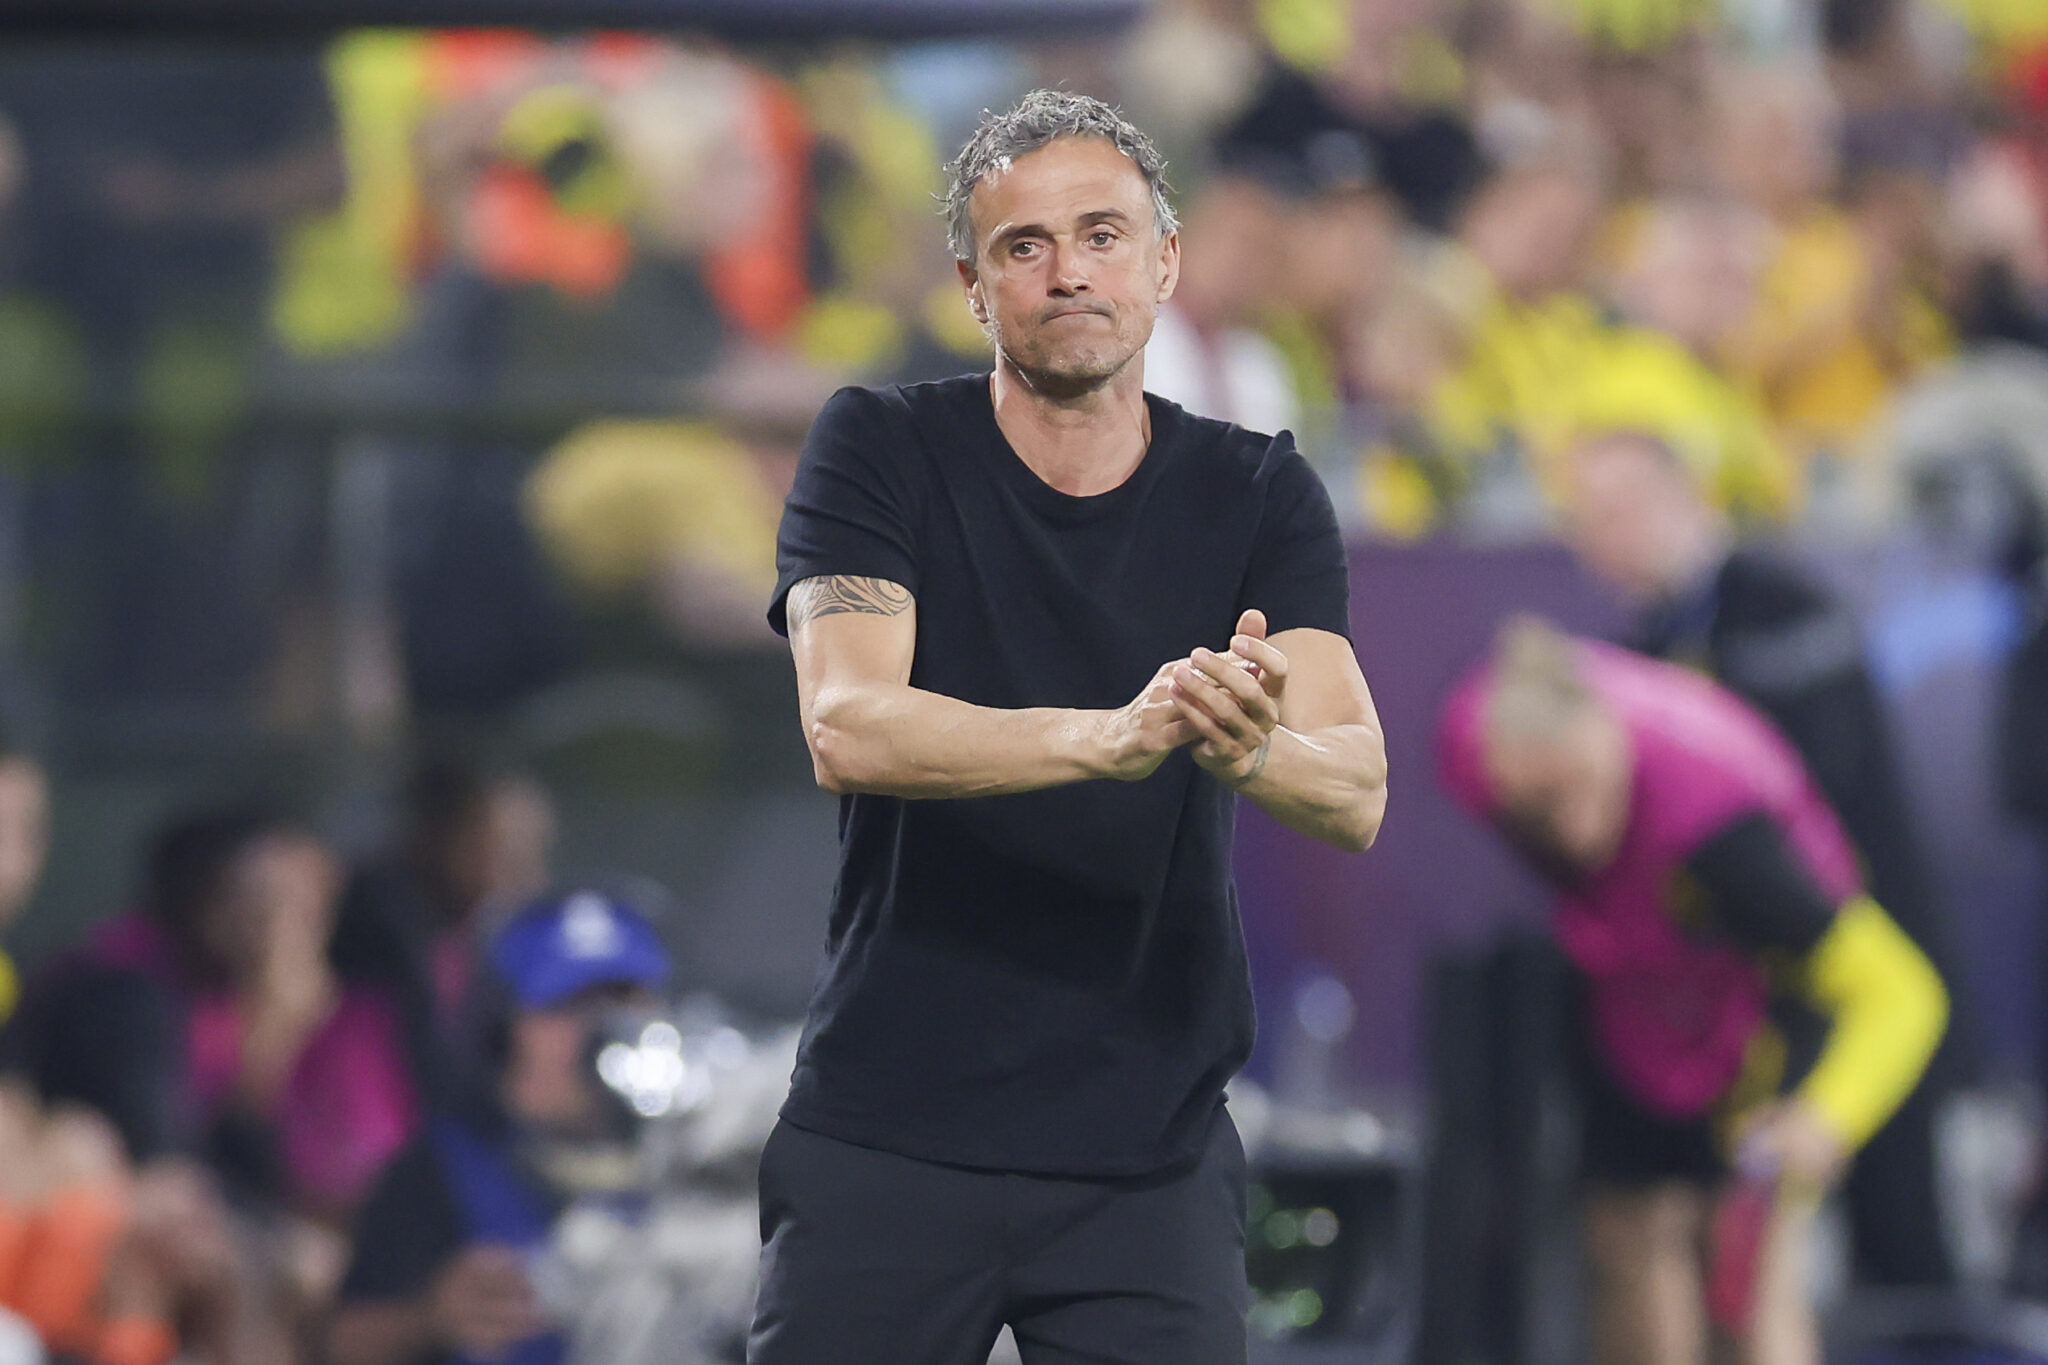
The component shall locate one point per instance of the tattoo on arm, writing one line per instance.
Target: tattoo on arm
(837, 594)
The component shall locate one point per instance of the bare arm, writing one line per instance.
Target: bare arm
(380, 1333)
(479, 1305)
(870, 731)
(1296, 732)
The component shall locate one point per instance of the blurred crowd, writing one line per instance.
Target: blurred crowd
(412, 1106)
(591, 290)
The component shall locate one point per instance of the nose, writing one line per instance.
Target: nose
(1069, 271)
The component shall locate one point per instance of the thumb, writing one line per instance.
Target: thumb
(1252, 623)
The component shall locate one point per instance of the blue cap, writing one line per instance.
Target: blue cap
(555, 948)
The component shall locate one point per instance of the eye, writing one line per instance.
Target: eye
(1101, 237)
(1022, 248)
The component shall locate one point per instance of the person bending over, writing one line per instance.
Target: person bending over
(1748, 1009)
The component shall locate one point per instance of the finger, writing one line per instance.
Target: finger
(1221, 723)
(1252, 623)
(1216, 741)
(1229, 673)
(1223, 707)
(1270, 662)
(1249, 692)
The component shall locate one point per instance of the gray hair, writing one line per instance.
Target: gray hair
(1040, 117)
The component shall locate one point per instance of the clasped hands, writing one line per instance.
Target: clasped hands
(1226, 705)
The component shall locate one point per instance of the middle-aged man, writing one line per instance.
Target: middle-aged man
(1007, 1106)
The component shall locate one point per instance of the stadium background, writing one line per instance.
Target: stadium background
(369, 391)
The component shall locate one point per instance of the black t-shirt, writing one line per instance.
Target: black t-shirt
(1051, 981)
(408, 1229)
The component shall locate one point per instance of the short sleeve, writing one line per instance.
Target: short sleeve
(1298, 575)
(406, 1230)
(850, 507)
(1762, 896)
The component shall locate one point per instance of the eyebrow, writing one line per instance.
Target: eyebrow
(1089, 219)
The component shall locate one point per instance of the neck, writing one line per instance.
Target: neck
(1081, 443)
(1693, 558)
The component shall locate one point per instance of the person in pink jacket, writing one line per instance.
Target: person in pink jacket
(1750, 1014)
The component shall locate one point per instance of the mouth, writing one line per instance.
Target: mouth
(1076, 313)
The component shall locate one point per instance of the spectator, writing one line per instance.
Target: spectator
(444, 1246)
(24, 845)
(112, 1265)
(1389, 79)
(1747, 1007)
(1997, 219)
(208, 1021)
(1837, 322)
(1206, 352)
(1544, 362)
(1773, 634)
(476, 842)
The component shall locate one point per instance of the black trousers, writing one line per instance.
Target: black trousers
(873, 1259)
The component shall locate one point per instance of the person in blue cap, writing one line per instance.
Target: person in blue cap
(439, 1272)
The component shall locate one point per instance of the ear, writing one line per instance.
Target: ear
(970, 285)
(1169, 266)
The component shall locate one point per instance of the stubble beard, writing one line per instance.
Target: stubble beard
(1065, 377)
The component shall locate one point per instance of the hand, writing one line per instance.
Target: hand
(482, 1303)
(1791, 1140)
(1233, 701)
(1137, 737)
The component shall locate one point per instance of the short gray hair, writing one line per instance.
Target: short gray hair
(1040, 117)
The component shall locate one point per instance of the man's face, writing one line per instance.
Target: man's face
(1234, 225)
(1531, 229)
(274, 910)
(500, 852)
(547, 1084)
(1629, 513)
(1069, 266)
(1565, 796)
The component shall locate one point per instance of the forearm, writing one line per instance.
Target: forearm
(1889, 1011)
(1330, 784)
(896, 740)
(380, 1333)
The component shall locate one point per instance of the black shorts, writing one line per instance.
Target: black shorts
(869, 1258)
(1625, 1143)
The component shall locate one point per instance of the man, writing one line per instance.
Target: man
(1007, 1106)
(1777, 638)
(1207, 353)
(1750, 1016)
(442, 1246)
(475, 843)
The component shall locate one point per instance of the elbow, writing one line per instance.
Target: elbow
(841, 761)
(832, 759)
(1936, 1008)
(1362, 830)
(1353, 825)
(1370, 810)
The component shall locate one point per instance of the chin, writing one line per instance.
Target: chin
(1070, 372)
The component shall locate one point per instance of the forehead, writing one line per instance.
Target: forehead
(1520, 763)
(1621, 464)
(1060, 181)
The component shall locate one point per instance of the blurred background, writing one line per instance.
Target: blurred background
(394, 422)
